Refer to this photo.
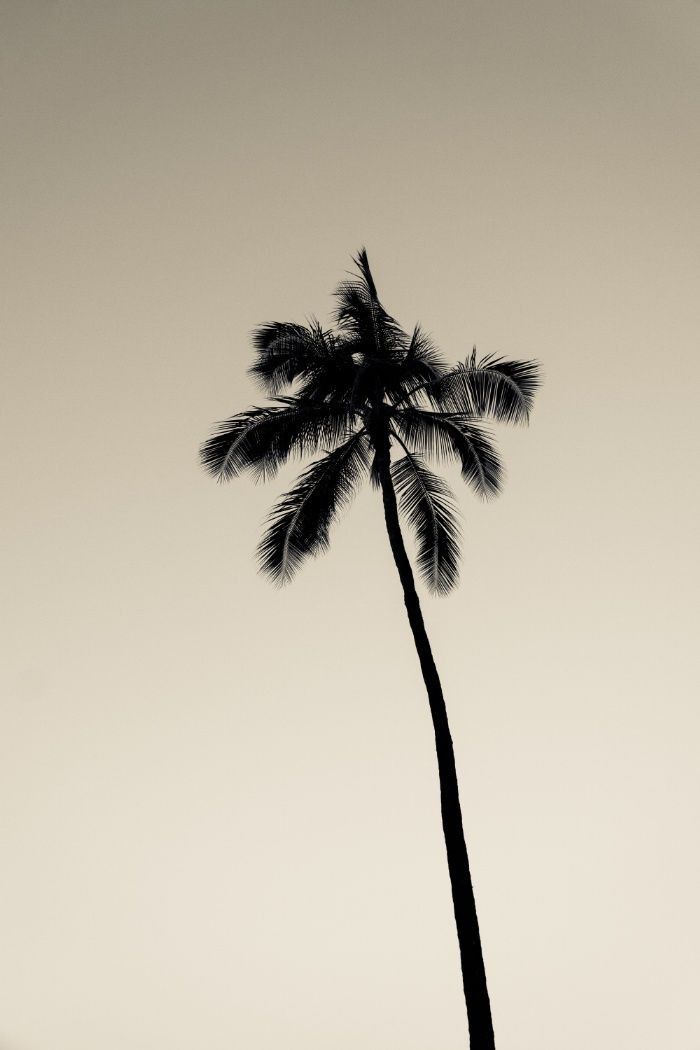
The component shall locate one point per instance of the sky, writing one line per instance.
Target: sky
(218, 801)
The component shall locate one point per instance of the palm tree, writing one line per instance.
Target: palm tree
(351, 394)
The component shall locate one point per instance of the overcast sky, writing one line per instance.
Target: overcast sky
(220, 813)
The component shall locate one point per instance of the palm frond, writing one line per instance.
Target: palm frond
(299, 523)
(447, 436)
(422, 348)
(492, 386)
(362, 263)
(335, 378)
(262, 439)
(360, 313)
(428, 505)
(287, 351)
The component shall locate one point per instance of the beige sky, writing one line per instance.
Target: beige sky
(220, 822)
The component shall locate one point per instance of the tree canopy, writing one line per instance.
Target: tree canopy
(334, 393)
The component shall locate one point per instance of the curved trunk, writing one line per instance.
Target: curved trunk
(476, 995)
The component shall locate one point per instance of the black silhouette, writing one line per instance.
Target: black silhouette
(352, 394)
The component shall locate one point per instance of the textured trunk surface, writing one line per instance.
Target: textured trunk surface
(476, 995)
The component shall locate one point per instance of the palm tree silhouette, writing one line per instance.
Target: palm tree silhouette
(353, 393)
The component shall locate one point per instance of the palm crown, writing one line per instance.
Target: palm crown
(350, 392)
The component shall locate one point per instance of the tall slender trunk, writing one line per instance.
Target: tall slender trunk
(476, 994)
